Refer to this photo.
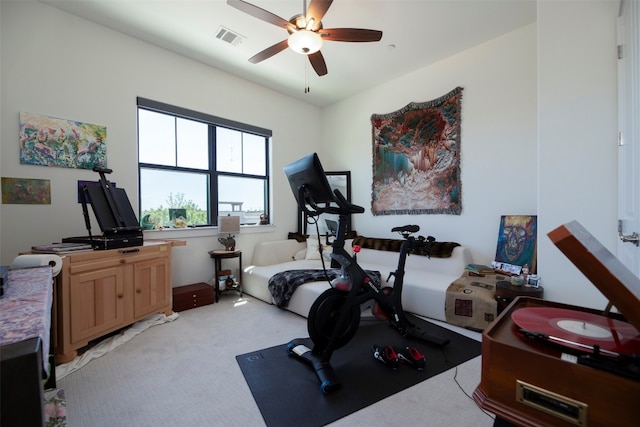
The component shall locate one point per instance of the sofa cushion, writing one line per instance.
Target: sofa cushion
(283, 284)
(300, 255)
(424, 293)
(453, 265)
(375, 257)
(276, 252)
(313, 248)
(256, 277)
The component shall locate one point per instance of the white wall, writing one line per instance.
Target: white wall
(538, 137)
(498, 142)
(59, 65)
(577, 129)
(538, 129)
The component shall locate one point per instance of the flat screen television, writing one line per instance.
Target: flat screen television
(307, 173)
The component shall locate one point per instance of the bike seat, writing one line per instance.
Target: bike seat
(406, 229)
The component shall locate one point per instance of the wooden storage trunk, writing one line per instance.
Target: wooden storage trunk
(190, 296)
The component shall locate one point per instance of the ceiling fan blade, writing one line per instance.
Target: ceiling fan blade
(350, 35)
(317, 9)
(260, 13)
(269, 52)
(318, 64)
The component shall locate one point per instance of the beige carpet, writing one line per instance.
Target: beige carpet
(184, 373)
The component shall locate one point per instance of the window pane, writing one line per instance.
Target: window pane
(156, 138)
(161, 190)
(229, 150)
(254, 154)
(246, 195)
(176, 149)
(193, 143)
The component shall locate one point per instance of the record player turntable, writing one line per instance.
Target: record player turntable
(547, 363)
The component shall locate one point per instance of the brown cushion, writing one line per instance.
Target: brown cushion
(297, 237)
(438, 249)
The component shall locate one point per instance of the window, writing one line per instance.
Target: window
(194, 167)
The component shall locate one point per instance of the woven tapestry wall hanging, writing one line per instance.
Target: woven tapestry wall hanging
(416, 158)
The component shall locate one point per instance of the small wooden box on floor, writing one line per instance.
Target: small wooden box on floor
(191, 296)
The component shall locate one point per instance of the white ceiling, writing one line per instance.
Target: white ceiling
(416, 33)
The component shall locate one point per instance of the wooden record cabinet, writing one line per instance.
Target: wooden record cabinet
(536, 382)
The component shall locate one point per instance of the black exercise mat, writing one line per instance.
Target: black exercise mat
(287, 390)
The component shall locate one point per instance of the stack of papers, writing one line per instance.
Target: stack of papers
(54, 248)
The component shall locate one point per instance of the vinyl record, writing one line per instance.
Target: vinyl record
(584, 329)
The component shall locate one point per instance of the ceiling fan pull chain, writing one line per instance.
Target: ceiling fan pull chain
(306, 76)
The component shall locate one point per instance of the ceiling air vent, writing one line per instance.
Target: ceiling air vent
(229, 36)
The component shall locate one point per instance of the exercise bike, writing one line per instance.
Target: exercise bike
(334, 317)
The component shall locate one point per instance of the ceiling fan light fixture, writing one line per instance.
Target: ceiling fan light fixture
(305, 42)
(310, 24)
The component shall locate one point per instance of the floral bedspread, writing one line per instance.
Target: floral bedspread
(25, 307)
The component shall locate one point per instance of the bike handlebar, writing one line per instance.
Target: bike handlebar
(350, 207)
(344, 206)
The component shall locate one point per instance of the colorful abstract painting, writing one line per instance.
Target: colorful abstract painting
(48, 141)
(517, 241)
(416, 158)
(26, 191)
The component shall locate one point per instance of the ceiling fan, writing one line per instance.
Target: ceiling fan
(306, 33)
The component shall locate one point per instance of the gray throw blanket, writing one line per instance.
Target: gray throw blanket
(282, 285)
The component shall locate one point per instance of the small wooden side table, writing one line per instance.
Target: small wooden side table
(218, 256)
(506, 292)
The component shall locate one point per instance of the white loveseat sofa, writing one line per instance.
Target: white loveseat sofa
(425, 283)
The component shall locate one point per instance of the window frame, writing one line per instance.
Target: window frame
(212, 122)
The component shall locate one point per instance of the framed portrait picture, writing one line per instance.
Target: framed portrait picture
(517, 241)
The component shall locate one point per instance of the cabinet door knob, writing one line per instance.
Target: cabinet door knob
(123, 261)
(138, 290)
(120, 295)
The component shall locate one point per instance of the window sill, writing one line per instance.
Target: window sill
(174, 233)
